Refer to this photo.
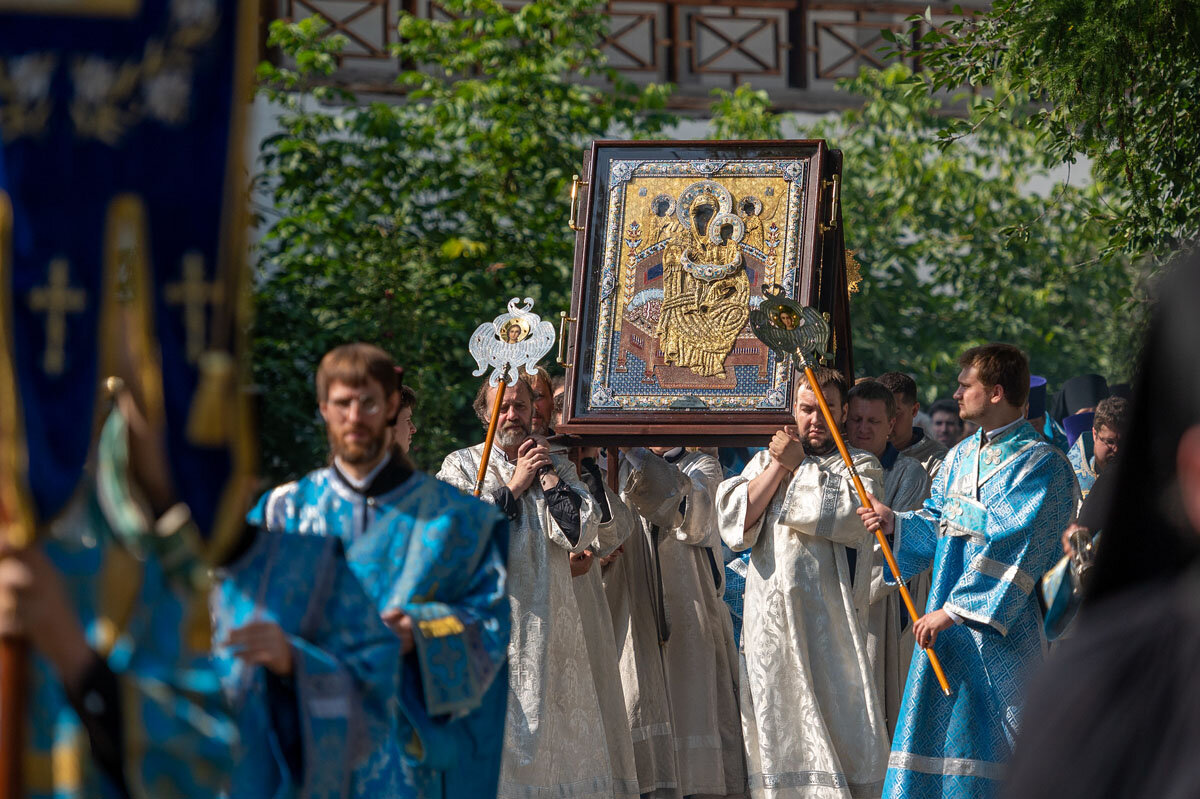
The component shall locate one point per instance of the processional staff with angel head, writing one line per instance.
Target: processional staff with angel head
(505, 344)
(799, 332)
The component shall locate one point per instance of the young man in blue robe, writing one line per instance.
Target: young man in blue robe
(991, 529)
(432, 563)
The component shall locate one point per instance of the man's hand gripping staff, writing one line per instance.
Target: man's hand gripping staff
(800, 332)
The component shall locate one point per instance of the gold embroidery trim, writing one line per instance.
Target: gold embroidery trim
(440, 628)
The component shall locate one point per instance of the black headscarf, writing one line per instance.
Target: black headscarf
(1146, 536)
(1084, 391)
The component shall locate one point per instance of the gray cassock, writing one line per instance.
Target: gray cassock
(553, 714)
(905, 487)
(602, 647)
(928, 451)
(810, 713)
(701, 656)
(631, 587)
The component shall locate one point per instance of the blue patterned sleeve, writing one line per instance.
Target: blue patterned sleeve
(346, 681)
(461, 649)
(917, 531)
(1023, 529)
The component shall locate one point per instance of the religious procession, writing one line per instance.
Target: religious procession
(512, 435)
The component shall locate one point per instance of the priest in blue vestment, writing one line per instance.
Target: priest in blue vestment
(1097, 446)
(123, 698)
(432, 562)
(991, 529)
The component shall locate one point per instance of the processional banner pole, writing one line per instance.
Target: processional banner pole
(505, 344)
(795, 331)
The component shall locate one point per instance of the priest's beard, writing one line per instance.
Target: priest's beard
(511, 434)
(823, 446)
(358, 453)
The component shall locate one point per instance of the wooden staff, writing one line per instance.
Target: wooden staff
(491, 433)
(879, 536)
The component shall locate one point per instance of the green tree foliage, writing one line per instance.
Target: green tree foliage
(744, 113)
(955, 248)
(408, 224)
(1117, 81)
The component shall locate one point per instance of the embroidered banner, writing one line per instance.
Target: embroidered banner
(120, 161)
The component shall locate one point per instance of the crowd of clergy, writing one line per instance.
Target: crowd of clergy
(664, 621)
(703, 623)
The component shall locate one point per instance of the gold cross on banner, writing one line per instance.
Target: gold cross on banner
(194, 294)
(57, 299)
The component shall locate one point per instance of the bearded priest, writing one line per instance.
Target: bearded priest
(554, 723)
(431, 561)
(813, 725)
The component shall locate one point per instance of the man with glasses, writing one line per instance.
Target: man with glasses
(1091, 455)
(432, 562)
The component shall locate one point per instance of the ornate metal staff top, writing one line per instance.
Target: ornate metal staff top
(511, 340)
(790, 329)
(797, 331)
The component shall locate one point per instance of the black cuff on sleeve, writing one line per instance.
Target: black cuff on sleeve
(506, 502)
(97, 701)
(564, 505)
(594, 481)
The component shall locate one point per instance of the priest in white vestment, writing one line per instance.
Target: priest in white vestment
(617, 521)
(672, 490)
(810, 714)
(553, 716)
(890, 642)
(633, 587)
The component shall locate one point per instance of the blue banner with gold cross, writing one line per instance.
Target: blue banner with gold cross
(122, 243)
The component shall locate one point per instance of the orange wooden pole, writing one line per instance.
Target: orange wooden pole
(491, 433)
(879, 536)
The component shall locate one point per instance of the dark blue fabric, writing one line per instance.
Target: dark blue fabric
(62, 176)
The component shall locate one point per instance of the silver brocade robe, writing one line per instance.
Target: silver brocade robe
(629, 585)
(700, 656)
(810, 714)
(553, 711)
(602, 647)
(890, 639)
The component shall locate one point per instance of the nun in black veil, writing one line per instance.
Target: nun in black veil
(1116, 709)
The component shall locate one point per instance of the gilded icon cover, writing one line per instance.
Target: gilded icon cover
(678, 243)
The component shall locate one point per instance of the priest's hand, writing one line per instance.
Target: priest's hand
(581, 563)
(531, 456)
(928, 626)
(786, 449)
(401, 624)
(616, 553)
(262, 643)
(34, 602)
(878, 515)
